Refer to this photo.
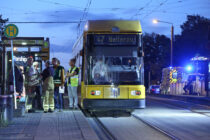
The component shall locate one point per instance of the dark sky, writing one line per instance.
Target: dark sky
(62, 36)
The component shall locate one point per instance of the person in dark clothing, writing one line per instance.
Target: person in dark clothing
(48, 88)
(18, 80)
(188, 87)
(59, 81)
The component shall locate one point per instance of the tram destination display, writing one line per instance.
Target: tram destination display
(115, 39)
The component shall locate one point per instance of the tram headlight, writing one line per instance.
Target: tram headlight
(135, 92)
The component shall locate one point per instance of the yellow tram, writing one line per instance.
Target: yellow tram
(110, 56)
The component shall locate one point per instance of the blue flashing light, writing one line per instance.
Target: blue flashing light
(189, 68)
(170, 67)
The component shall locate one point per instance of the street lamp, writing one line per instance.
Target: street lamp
(155, 21)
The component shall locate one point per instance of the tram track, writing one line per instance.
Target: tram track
(175, 105)
(108, 129)
(112, 126)
(155, 127)
(101, 130)
(105, 131)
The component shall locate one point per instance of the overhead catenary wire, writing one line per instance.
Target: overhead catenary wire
(142, 8)
(143, 11)
(165, 12)
(84, 16)
(159, 5)
(103, 8)
(58, 3)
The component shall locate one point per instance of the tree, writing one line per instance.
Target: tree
(193, 39)
(157, 55)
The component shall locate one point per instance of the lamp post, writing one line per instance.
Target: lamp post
(155, 21)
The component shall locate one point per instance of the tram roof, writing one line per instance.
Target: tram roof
(113, 26)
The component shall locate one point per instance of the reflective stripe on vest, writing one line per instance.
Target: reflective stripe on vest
(74, 79)
(31, 80)
(57, 75)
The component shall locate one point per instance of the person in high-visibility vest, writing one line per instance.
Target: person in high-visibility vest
(59, 80)
(48, 88)
(72, 83)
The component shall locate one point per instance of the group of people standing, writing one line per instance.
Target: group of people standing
(52, 83)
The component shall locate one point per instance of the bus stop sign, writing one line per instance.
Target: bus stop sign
(11, 31)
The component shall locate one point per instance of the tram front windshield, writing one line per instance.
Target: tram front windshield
(118, 65)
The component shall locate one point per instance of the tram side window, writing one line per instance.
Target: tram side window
(117, 61)
(109, 61)
(113, 61)
(129, 61)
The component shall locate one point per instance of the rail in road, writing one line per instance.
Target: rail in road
(183, 105)
(184, 120)
(101, 130)
(157, 128)
(124, 128)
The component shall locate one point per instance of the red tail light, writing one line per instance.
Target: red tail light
(138, 93)
(93, 93)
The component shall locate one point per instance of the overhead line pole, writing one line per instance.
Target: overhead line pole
(3, 66)
(172, 44)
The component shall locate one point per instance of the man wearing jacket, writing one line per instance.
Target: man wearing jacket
(18, 80)
(37, 99)
(31, 81)
(59, 80)
(48, 88)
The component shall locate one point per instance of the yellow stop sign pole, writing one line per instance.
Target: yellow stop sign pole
(11, 31)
